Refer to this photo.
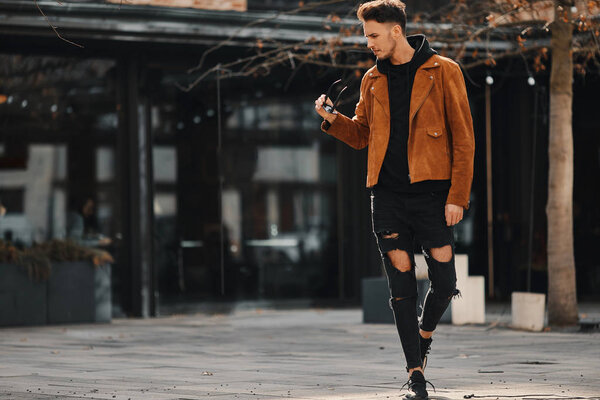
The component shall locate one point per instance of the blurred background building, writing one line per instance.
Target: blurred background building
(230, 192)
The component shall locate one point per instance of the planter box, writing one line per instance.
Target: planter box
(528, 310)
(375, 301)
(79, 292)
(376, 297)
(75, 292)
(469, 308)
(22, 301)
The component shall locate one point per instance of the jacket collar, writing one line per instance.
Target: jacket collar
(379, 88)
(432, 62)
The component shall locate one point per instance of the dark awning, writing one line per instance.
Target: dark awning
(105, 21)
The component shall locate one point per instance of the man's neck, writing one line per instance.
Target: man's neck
(403, 54)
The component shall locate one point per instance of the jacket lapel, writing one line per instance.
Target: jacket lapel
(379, 89)
(424, 80)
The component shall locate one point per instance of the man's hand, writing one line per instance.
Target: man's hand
(319, 109)
(454, 214)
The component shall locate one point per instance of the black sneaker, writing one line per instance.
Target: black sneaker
(416, 385)
(425, 345)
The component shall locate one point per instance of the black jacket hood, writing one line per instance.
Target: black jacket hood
(422, 53)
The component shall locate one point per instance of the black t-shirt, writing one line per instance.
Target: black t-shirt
(394, 171)
(394, 174)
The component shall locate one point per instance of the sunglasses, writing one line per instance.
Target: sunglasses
(330, 108)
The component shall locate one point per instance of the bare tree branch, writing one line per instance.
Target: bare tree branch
(305, 7)
(488, 28)
(53, 27)
(507, 54)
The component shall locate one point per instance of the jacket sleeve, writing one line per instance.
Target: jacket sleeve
(460, 124)
(352, 131)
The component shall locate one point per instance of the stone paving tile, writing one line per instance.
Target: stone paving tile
(301, 354)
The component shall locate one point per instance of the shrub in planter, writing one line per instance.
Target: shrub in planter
(68, 250)
(35, 262)
(8, 252)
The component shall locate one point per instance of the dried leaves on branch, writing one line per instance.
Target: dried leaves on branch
(332, 49)
(474, 33)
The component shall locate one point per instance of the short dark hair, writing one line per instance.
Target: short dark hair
(383, 11)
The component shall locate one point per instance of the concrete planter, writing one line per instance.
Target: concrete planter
(22, 301)
(469, 307)
(75, 292)
(79, 292)
(527, 310)
(376, 297)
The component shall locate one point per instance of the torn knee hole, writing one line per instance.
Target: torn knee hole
(395, 300)
(445, 293)
(389, 235)
(402, 268)
(399, 260)
(440, 254)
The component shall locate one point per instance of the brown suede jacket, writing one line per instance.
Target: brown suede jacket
(441, 143)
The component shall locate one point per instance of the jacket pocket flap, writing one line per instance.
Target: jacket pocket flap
(435, 132)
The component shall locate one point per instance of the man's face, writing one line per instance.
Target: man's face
(381, 37)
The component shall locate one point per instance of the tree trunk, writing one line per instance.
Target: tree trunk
(562, 295)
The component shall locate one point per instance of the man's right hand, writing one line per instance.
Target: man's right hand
(319, 109)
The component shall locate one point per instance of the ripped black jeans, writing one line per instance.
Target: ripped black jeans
(399, 220)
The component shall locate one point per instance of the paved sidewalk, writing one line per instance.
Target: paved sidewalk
(300, 354)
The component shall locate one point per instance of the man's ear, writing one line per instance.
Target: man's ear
(397, 31)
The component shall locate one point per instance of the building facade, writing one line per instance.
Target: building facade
(230, 192)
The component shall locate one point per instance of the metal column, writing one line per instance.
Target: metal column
(135, 158)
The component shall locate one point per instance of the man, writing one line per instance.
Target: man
(414, 116)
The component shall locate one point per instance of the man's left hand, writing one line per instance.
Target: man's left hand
(454, 214)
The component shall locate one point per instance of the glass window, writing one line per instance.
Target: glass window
(254, 219)
(57, 151)
(105, 164)
(165, 163)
